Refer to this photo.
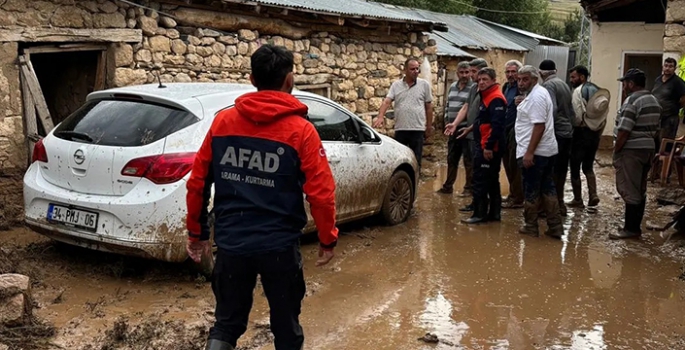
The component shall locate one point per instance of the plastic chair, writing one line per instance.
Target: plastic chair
(666, 159)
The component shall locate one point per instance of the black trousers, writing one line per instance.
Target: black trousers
(412, 139)
(456, 148)
(583, 151)
(234, 281)
(561, 163)
(486, 186)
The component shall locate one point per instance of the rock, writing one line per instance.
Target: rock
(192, 49)
(193, 40)
(278, 41)
(4, 347)
(123, 55)
(231, 50)
(204, 51)
(252, 47)
(243, 48)
(208, 33)
(91, 6)
(297, 58)
(362, 106)
(310, 63)
(213, 61)
(109, 7)
(218, 48)
(247, 35)
(172, 34)
(71, 17)
(360, 82)
(413, 37)
(167, 22)
(381, 92)
(182, 78)
(179, 47)
(336, 49)
(671, 196)
(299, 46)
(194, 59)
(147, 25)
(128, 76)
(674, 44)
(393, 71)
(160, 44)
(674, 30)
(131, 23)
(369, 91)
(160, 31)
(375, 104)
(12, 284)
(675, 11)
(343, 85)
(174, 59)
(351, 48)
(13, 310)
(227, 40)
(289, 44)
(143, 55)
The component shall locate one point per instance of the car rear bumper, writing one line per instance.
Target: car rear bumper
(148, 221)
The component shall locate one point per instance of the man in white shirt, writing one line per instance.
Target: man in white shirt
(535, 151)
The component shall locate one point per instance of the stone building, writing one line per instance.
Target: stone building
(54, 52)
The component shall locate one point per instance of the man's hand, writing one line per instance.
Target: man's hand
(429, 131)
(487, 154)
(450, 129)
(197, 249)
(325, 256)
(378, 122)
(528, 160)
(464, 132)
(518, 99)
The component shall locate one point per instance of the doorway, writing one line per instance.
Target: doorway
(650, 63)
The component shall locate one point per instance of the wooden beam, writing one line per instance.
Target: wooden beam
(101, 73)
(64, 48)
(29, 76)
(71, 35)
(30, 123)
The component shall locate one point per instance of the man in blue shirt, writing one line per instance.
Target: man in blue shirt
(513, 171)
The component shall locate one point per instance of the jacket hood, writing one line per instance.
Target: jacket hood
(269, 106)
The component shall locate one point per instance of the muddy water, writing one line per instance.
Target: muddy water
(474, 287)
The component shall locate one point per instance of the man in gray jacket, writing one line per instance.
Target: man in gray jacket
(561, 96)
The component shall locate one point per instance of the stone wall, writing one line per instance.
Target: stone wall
(359, 68)
(674, 33)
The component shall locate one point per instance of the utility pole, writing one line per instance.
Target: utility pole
(584, 41)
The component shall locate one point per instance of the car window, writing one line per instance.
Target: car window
(368, 135)
(331, 123)
(123, 123)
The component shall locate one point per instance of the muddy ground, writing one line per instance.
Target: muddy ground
(480, 287)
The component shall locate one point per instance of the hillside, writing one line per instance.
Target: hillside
(562, 8)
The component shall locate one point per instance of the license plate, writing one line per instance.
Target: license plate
(73, 217)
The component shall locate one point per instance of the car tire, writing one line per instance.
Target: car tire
(399, 199)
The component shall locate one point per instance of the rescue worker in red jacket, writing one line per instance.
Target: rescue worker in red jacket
(488, 132)
(260, 156)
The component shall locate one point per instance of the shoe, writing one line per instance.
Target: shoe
(495, 209)
(479, 213)
(550, 204)
(555, 231)
(214, 344)
(445, 190)
(530, 218)
(624, 234)
(512, 205)
(467, 208)
(592, 190)
(577, 201)
(632, 222)
(466, 193)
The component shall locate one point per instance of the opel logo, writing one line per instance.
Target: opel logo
(79, 157)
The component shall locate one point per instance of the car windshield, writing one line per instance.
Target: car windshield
(123, 123)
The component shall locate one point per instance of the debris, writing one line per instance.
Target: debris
(429, 338)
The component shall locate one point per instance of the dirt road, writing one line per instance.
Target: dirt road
(480, 287)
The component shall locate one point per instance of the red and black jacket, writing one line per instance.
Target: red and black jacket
(489, 125)
(261, 156)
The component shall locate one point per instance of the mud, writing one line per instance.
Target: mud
(431, 283)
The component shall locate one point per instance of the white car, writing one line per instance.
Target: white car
(112, 176)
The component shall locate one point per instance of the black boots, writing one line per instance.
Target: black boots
(577, 201)
(633, 222)
(495, 213)
(592, 190)
(480, 212)
(213, 344)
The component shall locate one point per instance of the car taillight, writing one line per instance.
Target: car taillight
(39, 152)
(160, 169)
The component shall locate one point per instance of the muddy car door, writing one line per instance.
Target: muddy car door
(341, 140)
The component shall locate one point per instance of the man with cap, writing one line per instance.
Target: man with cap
(636, 127)
(469, 112)
(591, 105)
(563, 130)
(669, 89)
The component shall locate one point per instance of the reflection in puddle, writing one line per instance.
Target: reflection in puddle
(522, 248)
(437, 319)
(586, 340)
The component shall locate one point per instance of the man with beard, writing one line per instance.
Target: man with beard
(536, 148)
(587, 132)
(669, 89)
(563, 130)
(636, 127)
(511, 91)
(457, 98)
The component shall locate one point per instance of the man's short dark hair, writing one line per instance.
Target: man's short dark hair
(410, 59)
(671, 60)
(489, 72)
(270, 66)
(478, 62)
(582, 70)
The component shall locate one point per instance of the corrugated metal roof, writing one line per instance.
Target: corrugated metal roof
(352, 8)
(446, 48)
(520, 36)
(468, 32)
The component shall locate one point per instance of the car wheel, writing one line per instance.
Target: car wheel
(399, 199)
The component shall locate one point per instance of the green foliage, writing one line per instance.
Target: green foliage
(444, 6)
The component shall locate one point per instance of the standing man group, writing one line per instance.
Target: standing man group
(413, 115)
